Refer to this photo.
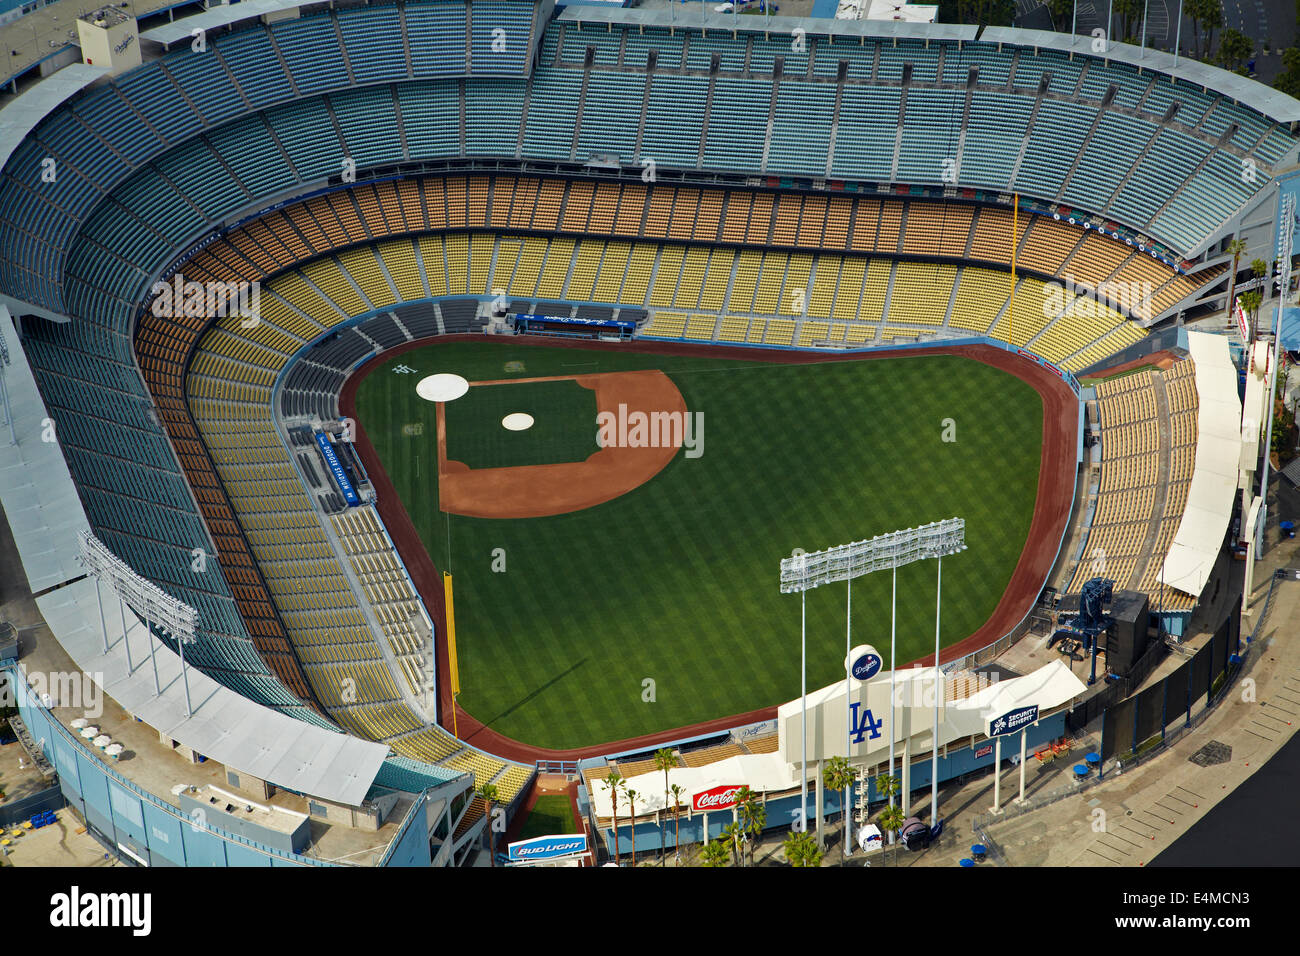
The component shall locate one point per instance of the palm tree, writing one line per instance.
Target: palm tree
(1236, 249)
(631, 812)
(838, 775)
(715, 854)
(752, 814)
(614, 781)
(665, 760)
(801, 849)
(887, 788)
(732, 833)
(1259, 268)
(488, 794)
(677, 821)
(891, 820)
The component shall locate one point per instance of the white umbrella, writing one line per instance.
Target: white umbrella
(103, 740)
(79, 723)
(89, 732)
(113, 750)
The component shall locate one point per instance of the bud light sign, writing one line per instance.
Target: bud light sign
(717, 798)
(864, 662)
(1013, 720)
(547, 848)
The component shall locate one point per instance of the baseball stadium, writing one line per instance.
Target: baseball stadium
(414, 409)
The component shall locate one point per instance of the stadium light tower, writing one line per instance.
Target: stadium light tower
(802, 572)
(145, 598)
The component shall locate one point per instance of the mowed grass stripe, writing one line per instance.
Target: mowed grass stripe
(677, 581)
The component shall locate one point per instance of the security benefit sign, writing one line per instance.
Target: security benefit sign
(544, 848)
(1013, 721)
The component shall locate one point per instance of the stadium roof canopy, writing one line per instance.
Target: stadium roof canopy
(214, 18)
(223, 725)
(24, 112)
(36, 489)
(1251, 93)
(1213, 490)
(703, 16)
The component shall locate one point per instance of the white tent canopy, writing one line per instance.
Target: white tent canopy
(762, 773)
(1210, 497)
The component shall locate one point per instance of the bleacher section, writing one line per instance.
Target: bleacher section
(1147, 423)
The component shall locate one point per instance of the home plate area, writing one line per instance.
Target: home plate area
(525, 448)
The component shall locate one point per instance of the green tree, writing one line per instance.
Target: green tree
(733, 833)
(1237, 248)
(838, 775)
(1130, 18)
(1062, 12)
(1250, 301)
(715, 854)
(1288, 81)
(665, 760)
(1207, 15)
(614, 781)
(1234, 49)
(631, 796)
(488, 794)
(801, 849)
(891, 820)
(677, 822)
(752, 814)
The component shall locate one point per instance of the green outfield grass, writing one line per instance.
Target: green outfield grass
(661, 608)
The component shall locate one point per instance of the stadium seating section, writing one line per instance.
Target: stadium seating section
(1147, 423)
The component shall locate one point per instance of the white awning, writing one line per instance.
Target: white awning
(1212, 493)
(223, 725)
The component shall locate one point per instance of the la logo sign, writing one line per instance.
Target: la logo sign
(863, 662)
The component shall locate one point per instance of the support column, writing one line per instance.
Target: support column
(997, 774)
(821, 808)
(1023, 734)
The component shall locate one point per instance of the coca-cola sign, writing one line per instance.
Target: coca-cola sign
(718, 798)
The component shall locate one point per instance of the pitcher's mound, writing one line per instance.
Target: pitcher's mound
(517, 422)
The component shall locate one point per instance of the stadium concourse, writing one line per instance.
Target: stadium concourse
(203, 244)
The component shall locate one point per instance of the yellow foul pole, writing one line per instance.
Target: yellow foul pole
(452, 664)
(1015, 231)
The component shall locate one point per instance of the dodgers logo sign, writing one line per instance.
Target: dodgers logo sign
(864, 662)
(547, 847)
(866, 726)
(1013, 720)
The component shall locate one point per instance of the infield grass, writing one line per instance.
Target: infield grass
(661, 608)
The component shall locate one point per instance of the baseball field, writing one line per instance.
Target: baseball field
(659, 607)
